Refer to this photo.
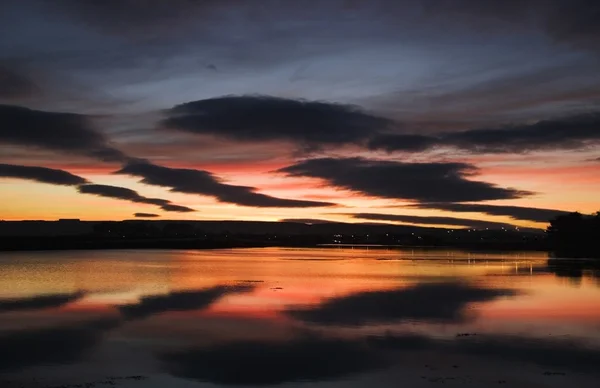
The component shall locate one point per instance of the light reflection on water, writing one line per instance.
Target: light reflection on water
(272, 315)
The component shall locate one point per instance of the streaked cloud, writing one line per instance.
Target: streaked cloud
(423, 182)
(514, 212)
(204, 183)
(267, 118)
(41, 174)
(430, 220)
(574, 132)
(130, 195)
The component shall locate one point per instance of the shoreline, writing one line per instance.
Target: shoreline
(28, 244)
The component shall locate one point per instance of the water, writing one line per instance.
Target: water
(296, 317)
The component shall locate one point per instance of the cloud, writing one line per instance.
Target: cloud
(179, 301)
(428, 302)
(145, 215)
(41, 174)
(204, 183)
(309, 358)
(265, 118)
(307, 221)
(514, 212)
(39, 302)
(56, 131)
(410, 143)
(64, 178)
(573, 132)
(15, 85)
(428, 220)
(565, 22)
(423, 182)
(59, 345)
(130, 195)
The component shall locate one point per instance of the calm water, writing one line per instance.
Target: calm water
(296, 317)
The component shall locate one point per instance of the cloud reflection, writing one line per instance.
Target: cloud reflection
(39, 302)
(310, 358)
(434, 302)
(57, 345)
(179, 301)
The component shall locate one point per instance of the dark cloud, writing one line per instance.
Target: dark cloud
(566, 22)
(430, 220)
(262, 118)
(61, 177)
(267, 363)
(60, 345)
(575, 22)
(145, 215)
(570, 132)
(176, 208)
(573, 132)
(307, 221)
(41, 174)
(202, 182)
(434, 302)
(39, 302)
(424, 182)
(409, 143)
(134, 18)
(64, 132)
(179, 301)
(15, 85)
(514, 212)
(130, 195)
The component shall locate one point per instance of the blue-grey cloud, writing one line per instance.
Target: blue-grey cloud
(573, 132)
(423, 182)
(56, 131)
(14, 84)
(265, 118)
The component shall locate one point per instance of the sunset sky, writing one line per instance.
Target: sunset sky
(459, 113)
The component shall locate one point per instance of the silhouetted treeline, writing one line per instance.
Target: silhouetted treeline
(575, 235)
(203, 235)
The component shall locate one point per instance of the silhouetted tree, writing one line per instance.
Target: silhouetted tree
(575, 235)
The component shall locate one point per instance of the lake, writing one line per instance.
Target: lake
(331, 317)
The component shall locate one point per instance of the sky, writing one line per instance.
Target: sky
(455, 113)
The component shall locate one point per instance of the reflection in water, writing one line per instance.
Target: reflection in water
(58, 345)
(575, 270)
(370, 317)
(38, 302)
(178, 301)
(435, 302)
(252, 362)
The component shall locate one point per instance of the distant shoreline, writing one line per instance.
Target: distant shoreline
(68, 244)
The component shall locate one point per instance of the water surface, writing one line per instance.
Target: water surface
(295, 317)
